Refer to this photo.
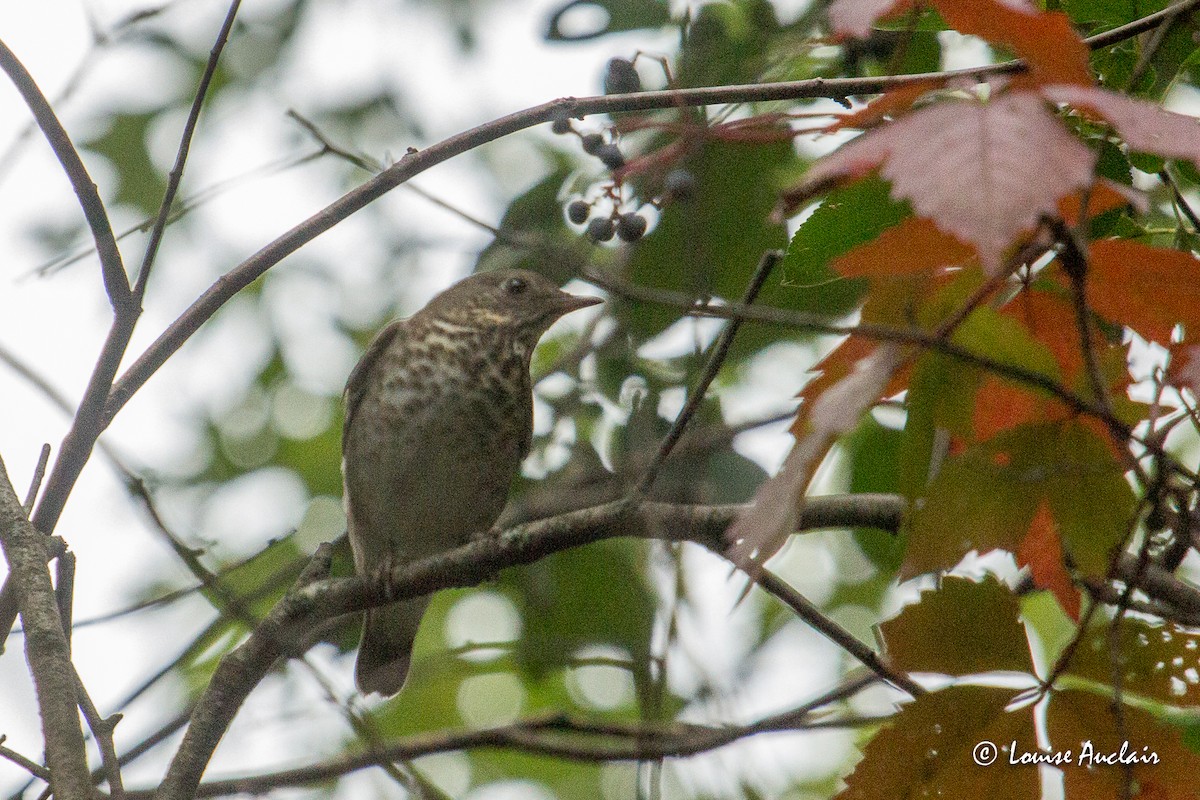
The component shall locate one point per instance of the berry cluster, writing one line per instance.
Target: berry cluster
(620, 77)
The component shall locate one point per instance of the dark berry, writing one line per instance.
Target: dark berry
(631, 227)
(679, 184)
(611, 155)
(621, 77)
(592, 142)
(578, 211)
(600, 229)
(561, 125)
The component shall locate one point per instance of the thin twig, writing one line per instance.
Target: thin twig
(46, 648)
(885, 333)
(32, 767)
(716, 357)
(287, 626)
(559, 736)
(1180, 202)
(808, 612)
(90, 420)
(35, 483)
(1150, 50)
(102, 731)
(181, 156)
(116, 282)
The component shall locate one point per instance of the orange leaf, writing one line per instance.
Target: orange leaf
(1001, 406)
(1052, 48)
(1050, 317)
(1042, 552)
(1150, 289)
(914, 245)
(1105, 196)
(891, 104)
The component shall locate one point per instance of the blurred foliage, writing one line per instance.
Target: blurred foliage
(608, 403)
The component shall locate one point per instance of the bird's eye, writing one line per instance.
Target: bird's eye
(514, 285)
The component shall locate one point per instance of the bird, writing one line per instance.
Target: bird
(439, 417)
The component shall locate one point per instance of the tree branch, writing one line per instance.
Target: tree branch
(717, 354)
(181, 156)
(46, 648)
(312, 601)
(116, 282)
(558, 736)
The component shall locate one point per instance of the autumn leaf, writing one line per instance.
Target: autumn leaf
(928, 749)
(986, 498)
(1042, 551)
(759, 533)
(889, 104)
(969, 167)
(1148, 289)
(1144, 126)
(914, 245)
(962, 628)
(1160, 661)
(1183, 368)
(1083, 723)
(1052, 48)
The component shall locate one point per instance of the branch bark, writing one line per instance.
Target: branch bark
(46, 648)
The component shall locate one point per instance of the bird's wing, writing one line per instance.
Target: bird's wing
(356, 385)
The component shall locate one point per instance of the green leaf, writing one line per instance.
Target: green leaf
(928, 749)
(619, 15)
(942, 631)
(846, 218)
(941, 395)
(726, 43)
(985, 498)
(712, 243)
(594, 595)
(1160, 661)
(872, 451)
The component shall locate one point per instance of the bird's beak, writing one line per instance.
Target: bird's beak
(574, 302)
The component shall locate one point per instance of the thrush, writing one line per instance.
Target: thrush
(439, 416)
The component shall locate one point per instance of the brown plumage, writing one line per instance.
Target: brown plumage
(438, 418)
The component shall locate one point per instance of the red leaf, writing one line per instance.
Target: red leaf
(1042, 552)
(1105, 196)
(914, 245)
(970, 168)
(1150, 289)
(1046, 41)
(1144, 126)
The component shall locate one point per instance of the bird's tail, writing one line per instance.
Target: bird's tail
(386, 647)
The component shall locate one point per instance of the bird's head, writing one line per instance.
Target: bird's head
(517, 299)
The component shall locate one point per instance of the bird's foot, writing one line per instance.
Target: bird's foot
(483, 536)
(381, 576)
